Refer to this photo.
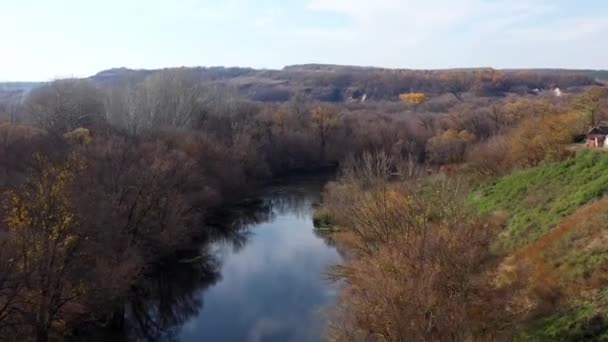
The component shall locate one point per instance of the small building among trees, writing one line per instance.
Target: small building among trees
(596, 137)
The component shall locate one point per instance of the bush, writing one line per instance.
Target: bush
(419, 265)
(322, 219)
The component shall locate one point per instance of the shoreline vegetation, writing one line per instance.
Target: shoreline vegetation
(521, 256)
(446, 179)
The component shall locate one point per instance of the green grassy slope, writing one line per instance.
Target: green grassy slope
(554, 214)
(536, 199)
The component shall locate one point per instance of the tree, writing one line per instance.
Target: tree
(419, 266)
(64, 105)
(590, 103)
(456, 83)
(491, 82)
(12, 284)
(299, 107)
(43, 229)
(324, 120)
(17, 143)
(9, 110)
(449, 147)
(544, 138)
(413, 99)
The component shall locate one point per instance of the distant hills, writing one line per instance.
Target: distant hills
(339, 83)
(15, 91)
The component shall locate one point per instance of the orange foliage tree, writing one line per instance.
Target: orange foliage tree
(414, 99)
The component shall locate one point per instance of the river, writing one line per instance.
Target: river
(263, 282)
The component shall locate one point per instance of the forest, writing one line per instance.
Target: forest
(100, 177)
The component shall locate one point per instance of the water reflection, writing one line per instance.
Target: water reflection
(262, 280)
(170, 297)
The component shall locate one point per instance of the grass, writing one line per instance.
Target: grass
(583, 321)
(322, 219)
(537, 199)
(584, 250)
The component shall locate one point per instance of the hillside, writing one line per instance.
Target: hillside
(14, 91)
(557, 232)
(536, 199)
(337, 83)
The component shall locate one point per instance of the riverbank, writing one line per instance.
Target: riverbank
(271, 239)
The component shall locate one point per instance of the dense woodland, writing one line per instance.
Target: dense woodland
(102, 176)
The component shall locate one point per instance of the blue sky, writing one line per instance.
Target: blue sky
(42, 40)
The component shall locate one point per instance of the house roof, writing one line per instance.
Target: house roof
(600, 129)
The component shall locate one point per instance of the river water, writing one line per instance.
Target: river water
(265, 282)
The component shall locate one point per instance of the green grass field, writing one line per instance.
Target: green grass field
(536, 199)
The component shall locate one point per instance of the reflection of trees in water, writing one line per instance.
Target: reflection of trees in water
(231, 225)
(293, 201)
(170, 296)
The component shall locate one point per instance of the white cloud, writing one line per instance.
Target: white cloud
(414, 21)
(456, 33)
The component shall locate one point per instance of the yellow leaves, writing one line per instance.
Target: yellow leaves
(589, 99)
(449, 147)
(323, 116)
(17, 216)
(466, 136)
(590, 102)
(80, 136)
(70, 241)
(537, 139)
(66, 221)
(41, 211)
(451, 134)
(279, 117)
(413, 98)
(527, 108)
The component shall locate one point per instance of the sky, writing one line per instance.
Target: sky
(43, 40)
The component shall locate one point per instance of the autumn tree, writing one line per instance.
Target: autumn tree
(419, 265)
(488, 159)
(12, 284)
(491, 82)
(413, 99)
(299, 107)
(170, 98)
(323, 119)
(449, 147)
(9, 111)
(538, 139)
(456, 83)
(64, 105)
(17, 144)
(591, 102)
(43, 227)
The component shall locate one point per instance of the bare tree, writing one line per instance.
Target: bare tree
(10, 111)
(324, 119)
(64, 105)
(419, 265)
